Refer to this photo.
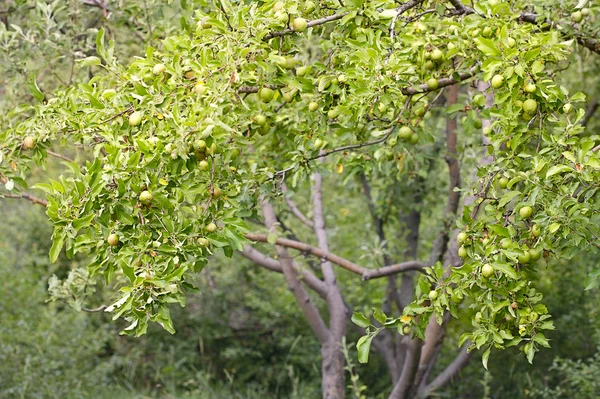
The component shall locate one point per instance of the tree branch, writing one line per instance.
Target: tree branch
(450, 372)
(295, 210)
(309, 310)
(411, 361)
(314, 22)
(441, 82)
(269, 263)
(366, 274)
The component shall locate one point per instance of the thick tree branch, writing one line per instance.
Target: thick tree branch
(411, 361)
(366, 274)
(450, 372)
(439, 246)
(309, 310)
(337, 309)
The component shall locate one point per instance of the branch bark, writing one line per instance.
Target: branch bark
(450, 372)
(294, 209)
(308, 308)
(365, 273)
(269, 263)
(445, 82)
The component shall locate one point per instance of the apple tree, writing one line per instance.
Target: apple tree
(189, 146)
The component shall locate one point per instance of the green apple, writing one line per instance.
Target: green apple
(145, 197)
(433, 294)
(299, 24)
(159, 69)
(313, 106)
(28, 143)
(260, 120)
(497, 81)
(530, 88)
(432, 84)
(526, 212)
(487, 270)
(203, 165)
(462, 252)
(113, 240)
(211, 227)
(266, 94)
(405, 133)
(530, 106)
(577, 16)
(135, 118)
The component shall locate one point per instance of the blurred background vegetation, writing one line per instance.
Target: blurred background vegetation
(241, 335)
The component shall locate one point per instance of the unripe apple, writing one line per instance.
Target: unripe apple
(505, 243)
(429, 65)
(432, 84)
(503, 182)
(211, 227)
(333, 113)
(475, 33)
(28, 143)
(530, 106)
(511, 42)
(199, 145)
(301, 71)
(451, 46)
(159, 69)
(266, 95)
(567, 108)
(477, 123)
(526, 212)
(299, 24)
(462, 252)
(318, 143)
(278, 6)
(535, 230)
(200, 88)
(313, 106)
(145, 197)
(406, 330)
(290, 63)
(461, 237)
(135, 118)
(437, 55)
(260, 120)
(487, 270)
(487, 32)
(433, 294)
(494, 3)
(405, 133)
(382, 107)
(288, 97)
(309, 7)
(525, 257)
(216, 192)
(203, 242)
(113, 240)
(577, 16)
(478, 317)
(487, 130)
(530, 88)
(203, 165)
(535, 254)
(342, 78)
(497, 81)
(414, 138)
(585, 12)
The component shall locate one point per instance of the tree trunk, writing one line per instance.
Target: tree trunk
(332, 370)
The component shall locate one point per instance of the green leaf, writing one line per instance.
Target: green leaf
(363, 346)
(506, 269)
(485, 357)
(487, 47)
(557, 169)
(360, 320)
(34, 90)
(58, 240)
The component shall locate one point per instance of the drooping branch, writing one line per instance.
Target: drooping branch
(23, 195)
(366, 274)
